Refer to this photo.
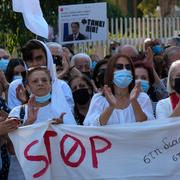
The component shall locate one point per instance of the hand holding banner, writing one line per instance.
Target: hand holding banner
(142, 151)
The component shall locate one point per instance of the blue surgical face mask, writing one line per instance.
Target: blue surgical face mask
(157, 49)
(144, 85)
(42, 99)
(17, 77)
(93, 65)
(122, 78)
(3, 64)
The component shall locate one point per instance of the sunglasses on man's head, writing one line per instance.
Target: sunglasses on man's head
(123, 66)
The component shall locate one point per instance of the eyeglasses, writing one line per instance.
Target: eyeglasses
(122, 66)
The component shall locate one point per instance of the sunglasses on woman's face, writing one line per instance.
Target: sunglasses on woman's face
(123, 66)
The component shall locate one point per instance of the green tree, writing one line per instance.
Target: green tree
(167, 7)
(13, 32)
(148, 7)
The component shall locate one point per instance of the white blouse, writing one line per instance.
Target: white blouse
(118, 116)
(164, 108)
(44, 114)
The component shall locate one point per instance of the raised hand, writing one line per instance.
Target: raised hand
(149, 57)
(32, 111)
(67, 53)
(66, 59)
(65, 63)
(21, 93)
(110, 97)
(135, 91)
(59, 120)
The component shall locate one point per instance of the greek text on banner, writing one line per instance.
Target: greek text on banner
(149, 150)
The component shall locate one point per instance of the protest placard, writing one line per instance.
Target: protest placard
(82, 22)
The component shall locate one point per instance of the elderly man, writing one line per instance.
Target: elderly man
(174, 41)
(127, 50)
(83, 63)
(171, 54)
(61, 57)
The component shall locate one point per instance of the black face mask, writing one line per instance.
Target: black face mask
(81, 96)
(100, 77)
(177, 85)
(88, 74)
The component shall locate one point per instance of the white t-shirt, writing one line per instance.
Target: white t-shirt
(118, 116)
(164, 108)
(44, 114)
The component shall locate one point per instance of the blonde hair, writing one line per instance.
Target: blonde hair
(170, 74)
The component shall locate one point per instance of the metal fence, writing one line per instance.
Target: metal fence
(134, 31)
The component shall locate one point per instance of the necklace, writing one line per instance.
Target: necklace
(122, 94)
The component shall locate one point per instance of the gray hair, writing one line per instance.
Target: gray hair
(55, 45)
(80, 56)
(169, 52)
(175, 41)
(170, 74)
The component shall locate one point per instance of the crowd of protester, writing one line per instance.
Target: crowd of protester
(50, 82)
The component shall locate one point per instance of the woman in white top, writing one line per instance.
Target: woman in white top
(121, 101)
(39, 107)
(170, 107)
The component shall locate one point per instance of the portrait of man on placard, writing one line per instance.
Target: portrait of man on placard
(76, 35)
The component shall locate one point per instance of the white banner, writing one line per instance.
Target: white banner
(82, 22)
(142, 151)
(33, 16)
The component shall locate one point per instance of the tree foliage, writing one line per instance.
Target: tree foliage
(167, 7)
(148, 7)
(13, 32)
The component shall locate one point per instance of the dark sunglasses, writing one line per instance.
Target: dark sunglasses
(122, 66)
